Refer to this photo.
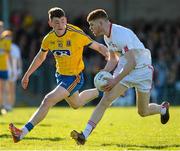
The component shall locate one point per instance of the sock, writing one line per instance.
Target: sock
(100, 94)
(163, 110)
(26, 129)
(89, 128)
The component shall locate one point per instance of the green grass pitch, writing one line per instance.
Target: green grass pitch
(120, 129)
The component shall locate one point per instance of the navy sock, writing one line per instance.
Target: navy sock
(29, 126)
(100, 94)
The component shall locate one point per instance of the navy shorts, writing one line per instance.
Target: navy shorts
(70, 83)
(4, 75)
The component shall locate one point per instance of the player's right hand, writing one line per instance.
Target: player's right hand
(25, 81)
(111, 82)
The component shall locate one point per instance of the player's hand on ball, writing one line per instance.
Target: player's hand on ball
(25, 81)
(111, 82)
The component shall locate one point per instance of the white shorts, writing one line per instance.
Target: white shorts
(140, 78)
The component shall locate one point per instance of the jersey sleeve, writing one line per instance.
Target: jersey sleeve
(45, 44)
(86, 40)
(129, 43)
(110, 46)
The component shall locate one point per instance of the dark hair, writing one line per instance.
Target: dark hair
(97, 14)
(56, 12)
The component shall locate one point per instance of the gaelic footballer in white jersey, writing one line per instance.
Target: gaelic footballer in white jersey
(131, 63)
(121, 40)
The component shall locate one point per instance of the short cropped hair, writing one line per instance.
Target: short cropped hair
(97, 14)
(56, 12)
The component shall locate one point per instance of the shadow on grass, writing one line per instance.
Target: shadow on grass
(19, 123)
(15, 123)
(54, 139)
(142, 146)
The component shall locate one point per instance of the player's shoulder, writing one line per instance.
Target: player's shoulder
(48, 35)
(75, 29)
(117, 27)
(121, 30)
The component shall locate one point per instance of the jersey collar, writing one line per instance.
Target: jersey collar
(62, 34)
(110, 28)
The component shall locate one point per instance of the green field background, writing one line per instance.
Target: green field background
(120, 129)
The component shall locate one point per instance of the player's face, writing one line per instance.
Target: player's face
(96, 27)
(58, 24)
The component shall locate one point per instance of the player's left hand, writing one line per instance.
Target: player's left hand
(111, 82)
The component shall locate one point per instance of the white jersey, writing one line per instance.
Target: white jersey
(15, 51)
(122, 40)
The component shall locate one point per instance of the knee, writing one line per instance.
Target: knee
(142, 113)
(46, 102)
(75, 106)
(105, 103)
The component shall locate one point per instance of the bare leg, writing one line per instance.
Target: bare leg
(2, 96)
(57, 95)
(105, 102)
(10, 90)
(13, 93)
(144, 107)
(1, 93)
(78, 100)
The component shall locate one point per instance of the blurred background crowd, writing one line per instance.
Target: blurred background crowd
(162, 37)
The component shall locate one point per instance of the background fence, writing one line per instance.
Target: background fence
(155, 22)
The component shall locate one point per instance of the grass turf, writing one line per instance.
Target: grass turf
(120, 129)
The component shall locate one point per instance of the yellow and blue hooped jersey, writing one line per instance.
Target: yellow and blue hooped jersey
(67, 49)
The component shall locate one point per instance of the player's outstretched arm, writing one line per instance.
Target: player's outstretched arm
(37, 61)
(112, 62)
(101, 49)
(129, 66)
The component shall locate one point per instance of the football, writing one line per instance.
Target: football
(99, 80)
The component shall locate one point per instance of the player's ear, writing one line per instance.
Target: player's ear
(50, 23)
(100, 22)
(65, 18)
